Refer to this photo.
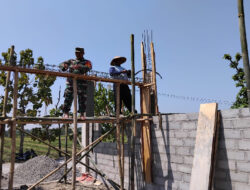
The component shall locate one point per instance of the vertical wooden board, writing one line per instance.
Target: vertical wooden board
(203, 152)
(146, 141)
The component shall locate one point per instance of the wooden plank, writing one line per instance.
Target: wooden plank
(203, 152)
(146, 137)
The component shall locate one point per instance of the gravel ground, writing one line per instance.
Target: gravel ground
(34, 169)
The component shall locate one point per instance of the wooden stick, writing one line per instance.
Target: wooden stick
(118, 143)
(75, 135)
(82, 150)
(122, 155)
(71, 75)
(66, 150)
(2, 127)
(132, 179)
(13, 131)
(2, 150)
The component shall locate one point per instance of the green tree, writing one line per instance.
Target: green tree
(104, 105)
(239, 77)
(33, 90)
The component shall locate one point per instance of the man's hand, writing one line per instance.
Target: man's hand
(65, 66)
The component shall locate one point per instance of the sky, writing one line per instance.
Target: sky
(190, 39)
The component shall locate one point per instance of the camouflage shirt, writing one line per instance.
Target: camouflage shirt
(76, 66)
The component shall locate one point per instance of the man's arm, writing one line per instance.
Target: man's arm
(65, 65)
(114, 72)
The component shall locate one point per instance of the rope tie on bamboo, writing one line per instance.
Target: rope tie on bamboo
(241, 15)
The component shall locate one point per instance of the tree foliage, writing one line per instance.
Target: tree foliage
(33, 90)
(240, 81)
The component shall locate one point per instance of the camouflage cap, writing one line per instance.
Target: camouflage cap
(78, 49)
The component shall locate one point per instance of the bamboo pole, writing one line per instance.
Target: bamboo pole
(244, 49)
(2, 127)
(13, 132)
(66, 150)
(59, 74)
(82, 150)
(118, 136)
(156, 109)
(132, 180)
(86, 144)
(75, 134)
(122, 155)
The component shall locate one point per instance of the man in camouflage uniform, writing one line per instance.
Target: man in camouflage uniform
(76, 66)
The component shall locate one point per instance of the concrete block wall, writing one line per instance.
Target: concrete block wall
(173, 149)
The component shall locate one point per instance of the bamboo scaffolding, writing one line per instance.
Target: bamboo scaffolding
(82, 150)
(120, 121)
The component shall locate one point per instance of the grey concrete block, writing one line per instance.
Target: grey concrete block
(181, 134)
(185, 168)
(231, 113)
(239, 177)
(188, 160)
(235, 155)
(183, 151)
(231, 134)
(243, 166)
(187, 178)
(246, 133)
(241, 186)
(184, 186)
(176, 159)
(189, 142)
(244, 112)
(192, 134)
(242, 123)
(189, 125)
(176, 142)
(229, 144)
(244, 144)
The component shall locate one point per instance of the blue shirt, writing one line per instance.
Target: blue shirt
(116, 72)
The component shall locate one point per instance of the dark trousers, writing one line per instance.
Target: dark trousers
(125, 96)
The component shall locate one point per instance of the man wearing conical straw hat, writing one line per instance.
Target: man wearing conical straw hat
(118, 72)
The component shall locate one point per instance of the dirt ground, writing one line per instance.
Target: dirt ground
(62, 186)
